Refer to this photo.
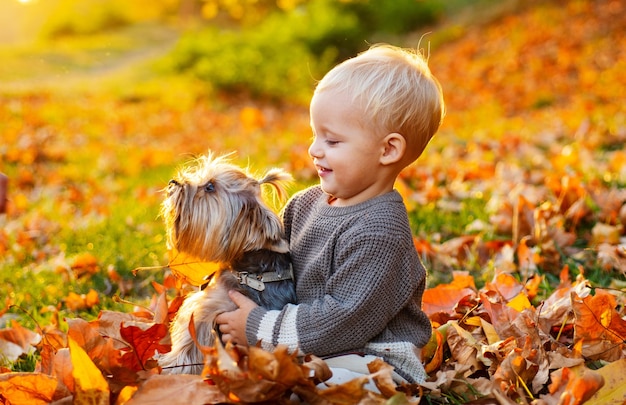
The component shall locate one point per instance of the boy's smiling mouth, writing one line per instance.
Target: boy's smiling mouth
(321, 170)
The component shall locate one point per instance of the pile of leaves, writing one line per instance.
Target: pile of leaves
(487, 343)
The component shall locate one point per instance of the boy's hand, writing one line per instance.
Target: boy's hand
(232, 325)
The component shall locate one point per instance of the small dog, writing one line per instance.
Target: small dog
(214, 211)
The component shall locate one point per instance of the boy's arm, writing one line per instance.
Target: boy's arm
(273, 327)
(369, 288)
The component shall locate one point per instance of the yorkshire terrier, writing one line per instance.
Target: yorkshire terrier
(214, 211)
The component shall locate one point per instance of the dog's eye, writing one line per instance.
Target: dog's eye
(209, 187)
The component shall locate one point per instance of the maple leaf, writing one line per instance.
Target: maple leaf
(612, 257)
(143, 345)
(100, 349)
(60, 367)
(599, 326)
(76, 302)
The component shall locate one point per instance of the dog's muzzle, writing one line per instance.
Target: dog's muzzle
(257, 281)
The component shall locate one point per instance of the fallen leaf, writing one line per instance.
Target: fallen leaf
(17, 340)
(91, 387)
(190, 269)
(599, 326)
(613, 392)
(143, 345)
(27, 388)
(181, 389)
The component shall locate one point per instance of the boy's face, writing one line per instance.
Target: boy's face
(345, 153)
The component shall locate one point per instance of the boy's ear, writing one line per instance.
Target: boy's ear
(394, 147)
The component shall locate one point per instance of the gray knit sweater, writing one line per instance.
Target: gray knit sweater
(359, 283)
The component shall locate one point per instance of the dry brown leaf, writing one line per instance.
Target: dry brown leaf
(573, 388)
(177, 390)
(17, 340)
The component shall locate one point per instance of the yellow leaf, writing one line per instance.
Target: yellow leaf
(91, 387)
(519, 303)
(126, 394)
(192, 270)
(490, 332)
(614, 390)
(473, 321)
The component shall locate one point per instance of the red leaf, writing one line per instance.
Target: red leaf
(144, 344)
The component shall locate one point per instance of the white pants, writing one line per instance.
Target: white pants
(351, 366)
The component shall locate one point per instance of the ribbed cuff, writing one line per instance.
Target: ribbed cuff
(253, 323)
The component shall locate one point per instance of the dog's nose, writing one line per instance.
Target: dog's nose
(173, 183)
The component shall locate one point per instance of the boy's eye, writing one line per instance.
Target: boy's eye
(331, 142)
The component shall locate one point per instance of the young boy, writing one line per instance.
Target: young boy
(359, 279)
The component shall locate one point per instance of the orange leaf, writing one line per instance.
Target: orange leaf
(191, 270)
(506, 285)
(599, 325)
(26, 388)
(445, 297)
(85, 264)
(571, 387)
(382, 374)
(437, 359)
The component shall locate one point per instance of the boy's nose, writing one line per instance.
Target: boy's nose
(314, 150)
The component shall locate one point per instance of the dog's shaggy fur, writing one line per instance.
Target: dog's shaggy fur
(214, 211)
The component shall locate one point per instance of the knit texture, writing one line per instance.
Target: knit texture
(359, 283)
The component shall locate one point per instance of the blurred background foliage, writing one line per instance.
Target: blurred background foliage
(225, 43)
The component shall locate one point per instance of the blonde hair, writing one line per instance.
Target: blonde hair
(395, 90)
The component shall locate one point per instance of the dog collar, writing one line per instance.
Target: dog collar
(257, 281)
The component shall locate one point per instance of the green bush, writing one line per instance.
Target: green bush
(283, 55)
(397, 16)
(281, 58)
(87, 17)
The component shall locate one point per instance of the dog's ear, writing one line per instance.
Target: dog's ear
(272, 230)
(280, 246)
(257, 227)
(278, 179)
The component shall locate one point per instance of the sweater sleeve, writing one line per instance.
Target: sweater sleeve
(273, 327)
